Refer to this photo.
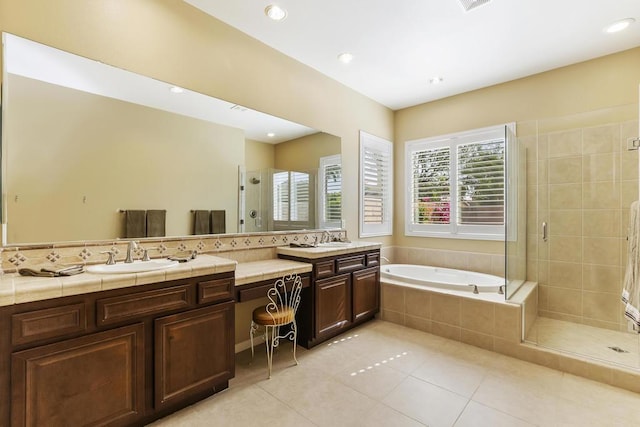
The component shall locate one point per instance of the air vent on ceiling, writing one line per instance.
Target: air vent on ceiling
(472, 4)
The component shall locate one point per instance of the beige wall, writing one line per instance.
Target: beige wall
(604, 82)
(174, 42)
(258, 155)
(75, 159)
(303, 154)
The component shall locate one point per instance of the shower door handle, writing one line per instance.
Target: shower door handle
(545, 236)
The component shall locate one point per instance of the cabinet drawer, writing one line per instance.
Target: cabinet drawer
(126, 307)
(325, 269)
(350, 263)
(260, 291)
(48, 323)
(373, 259)
(215, 290)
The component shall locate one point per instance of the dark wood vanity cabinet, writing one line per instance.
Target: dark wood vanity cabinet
(333, 305)
(119, 358)
(345, 291)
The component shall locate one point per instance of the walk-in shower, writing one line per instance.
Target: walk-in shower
(582, 180)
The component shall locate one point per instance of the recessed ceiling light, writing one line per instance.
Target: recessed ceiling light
(619, 25)
(345, 57)
(176, 89)
(275, 12)
(271, 134)
(436, 80)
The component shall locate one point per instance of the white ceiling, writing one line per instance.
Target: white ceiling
(399, 45)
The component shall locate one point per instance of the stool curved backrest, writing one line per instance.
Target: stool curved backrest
(284, 299)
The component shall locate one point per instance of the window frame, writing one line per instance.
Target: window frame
(453, 230)
(384, 148)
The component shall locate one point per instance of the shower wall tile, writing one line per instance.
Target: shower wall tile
(601, 306)
(566, 143)
(530, 144)
(629, 193)
(543, 247)
(628, 130)
(565, 248)
(601, 139)
(543, 271)
(565, 274)
(601, 195)
(629, 165)
(565, 196)
(543, 172)
(601, 278)
(532, 174)
(612, 326)
(567, 301)
(601, 167)
(601, 223)
(543, 146)
(602, 250)
(565, 222)
(561, 316)
(565, 170)
(543, 297)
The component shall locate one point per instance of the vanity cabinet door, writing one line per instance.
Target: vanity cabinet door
(333, 305)
(97, 379)
(366, 293)
(194, 351)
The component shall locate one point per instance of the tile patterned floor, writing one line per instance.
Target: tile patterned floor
(383, 374)
(587, 341)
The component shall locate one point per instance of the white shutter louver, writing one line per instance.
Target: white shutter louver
(376, 210)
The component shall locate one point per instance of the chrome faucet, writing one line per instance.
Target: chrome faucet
(130, 248)
(326, 237)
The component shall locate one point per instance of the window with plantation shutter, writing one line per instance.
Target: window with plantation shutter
(292, 200)
(281, 196)
(376, 180)
(330, 181)
(456, 185)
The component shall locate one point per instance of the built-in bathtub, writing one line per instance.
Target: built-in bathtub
(446, 280)
(440, 301)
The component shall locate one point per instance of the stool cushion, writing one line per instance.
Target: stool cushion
(282, 316)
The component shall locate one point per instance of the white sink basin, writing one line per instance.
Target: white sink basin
(134, 267)
(334, 245)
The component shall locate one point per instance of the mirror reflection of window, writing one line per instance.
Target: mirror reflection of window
(292, 200)
(330, 180)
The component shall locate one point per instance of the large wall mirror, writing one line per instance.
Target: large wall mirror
(83, 143)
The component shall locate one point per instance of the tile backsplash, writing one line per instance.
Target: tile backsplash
(241, 247)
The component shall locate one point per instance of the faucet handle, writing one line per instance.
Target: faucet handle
(145, 253)
(111, 260)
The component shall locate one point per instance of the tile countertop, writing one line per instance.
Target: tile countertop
(16, 289)
(256, 271)
(325, 251)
